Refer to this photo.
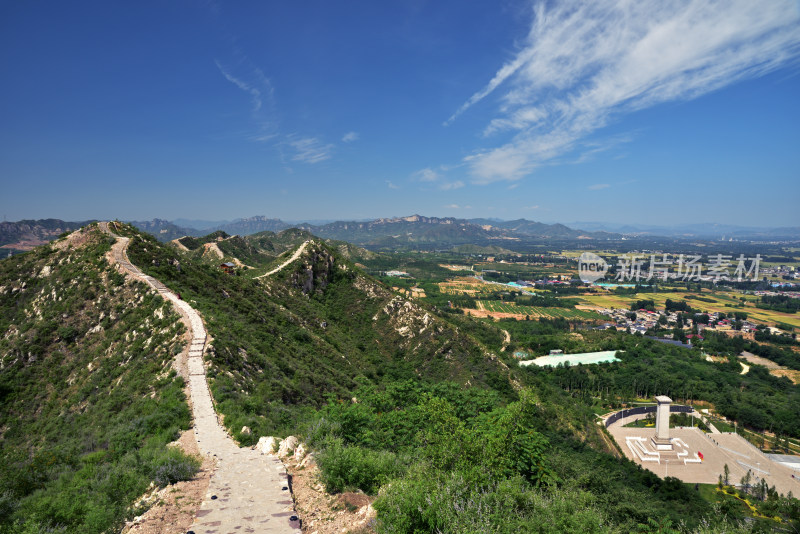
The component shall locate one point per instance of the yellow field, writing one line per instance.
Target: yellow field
(725, 302)
(465, 286)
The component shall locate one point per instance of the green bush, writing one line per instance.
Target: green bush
(345, 467)
(174, 467)
(452, 503)
(319, 433)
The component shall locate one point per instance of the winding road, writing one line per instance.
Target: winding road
(249, 491)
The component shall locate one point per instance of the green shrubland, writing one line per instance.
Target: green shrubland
(89, 397)
(283, 344)
(419, 408)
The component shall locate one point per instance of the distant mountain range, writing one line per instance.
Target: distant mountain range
(414, 230)
(418, 229)
(697, 230)
(24, 235)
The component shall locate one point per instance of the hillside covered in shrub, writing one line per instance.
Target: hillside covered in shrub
(89, 397)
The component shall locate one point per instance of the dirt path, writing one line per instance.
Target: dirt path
(293, 257)
(758, 360)
(213, 248)
(181, 246)
(506, 340)
(248, 491)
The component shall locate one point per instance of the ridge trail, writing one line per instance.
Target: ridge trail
(293, 257)
(249, 491)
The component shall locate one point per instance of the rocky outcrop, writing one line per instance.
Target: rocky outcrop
(267, 444)
(317, 270)
(407, 318)
(299, 452)
(287, 447)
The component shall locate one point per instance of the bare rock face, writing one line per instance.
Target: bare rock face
(317, 271)
(267, 444)
(408, 319)
(246, 430)
(287, 447)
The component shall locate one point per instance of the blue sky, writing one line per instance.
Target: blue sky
(629, 112)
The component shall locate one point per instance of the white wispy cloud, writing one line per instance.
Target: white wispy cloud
(425, 175)
(310, 150)
(584, 63)
(349, 137)
(596, 187)
(263, 137)
(391, 185)
(254, 89)
(251, 80)
(536, 207)
(448, 186)
(436, 178)
(587, 150)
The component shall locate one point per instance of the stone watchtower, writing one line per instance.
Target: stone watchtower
(662, 441)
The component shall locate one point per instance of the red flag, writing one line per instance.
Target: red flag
(700, 455)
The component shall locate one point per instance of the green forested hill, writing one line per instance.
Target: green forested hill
(258, 250)
(281, 344)
(88, 396)
(391, 395)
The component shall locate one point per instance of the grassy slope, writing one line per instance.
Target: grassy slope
(89, 399)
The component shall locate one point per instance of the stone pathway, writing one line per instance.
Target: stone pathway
(249, 491)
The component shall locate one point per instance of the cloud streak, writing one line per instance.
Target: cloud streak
(583, 64)
(349, 137)
(449, 186)
(303, 148)
(310, 150)
(425, 175)
(248, 87)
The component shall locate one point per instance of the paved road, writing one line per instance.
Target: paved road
(294, 256)
(249, 491)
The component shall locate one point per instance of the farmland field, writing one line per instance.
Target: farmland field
(524, 267)
(466, 286)
(725, 302)
(497, 306)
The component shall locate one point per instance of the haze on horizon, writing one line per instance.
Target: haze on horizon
(639, 113)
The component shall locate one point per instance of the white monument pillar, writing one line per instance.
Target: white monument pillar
(662, 440)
